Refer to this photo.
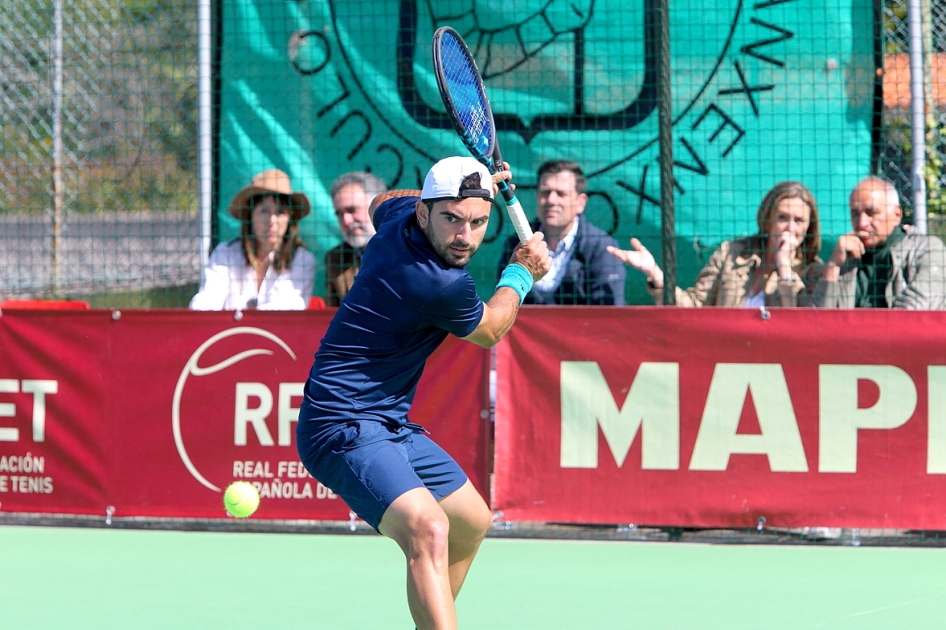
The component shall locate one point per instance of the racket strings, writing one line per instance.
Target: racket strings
(467, 95)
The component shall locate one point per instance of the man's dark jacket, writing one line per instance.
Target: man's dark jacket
(593, 276)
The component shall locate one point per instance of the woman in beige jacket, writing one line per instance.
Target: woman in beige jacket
(779, 266)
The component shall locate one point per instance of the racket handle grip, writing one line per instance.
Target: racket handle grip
(515, 212)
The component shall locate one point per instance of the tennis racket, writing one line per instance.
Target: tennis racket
(464, 96)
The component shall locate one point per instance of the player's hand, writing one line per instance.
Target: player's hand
(534, 256)
(640, 258)
(505, 174)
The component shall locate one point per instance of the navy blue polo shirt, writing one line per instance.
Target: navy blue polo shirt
(404, 302)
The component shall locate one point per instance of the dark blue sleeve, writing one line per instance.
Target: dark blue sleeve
(458, 308)
(391, 208)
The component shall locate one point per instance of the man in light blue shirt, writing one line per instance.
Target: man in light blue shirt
(582, 270)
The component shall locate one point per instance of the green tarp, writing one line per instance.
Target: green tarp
(763, 91)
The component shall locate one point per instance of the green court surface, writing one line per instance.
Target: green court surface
(83, 578)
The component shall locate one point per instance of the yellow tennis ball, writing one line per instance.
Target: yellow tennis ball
(241, 499)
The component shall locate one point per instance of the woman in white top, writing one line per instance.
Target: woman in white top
(268, 267)
(779, 266)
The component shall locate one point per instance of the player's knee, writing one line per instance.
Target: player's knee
(429, 534)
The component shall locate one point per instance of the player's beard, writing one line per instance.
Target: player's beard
(447, 255)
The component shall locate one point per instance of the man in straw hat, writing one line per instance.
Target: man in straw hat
(354, 434)
(268, 267)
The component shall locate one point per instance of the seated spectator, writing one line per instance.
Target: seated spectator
(268, 267)
(878, 265)
(352, 193)
(779, 266)
(582, 271)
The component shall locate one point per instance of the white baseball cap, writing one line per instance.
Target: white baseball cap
(445, 180)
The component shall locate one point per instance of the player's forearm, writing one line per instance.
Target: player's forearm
(499, 314)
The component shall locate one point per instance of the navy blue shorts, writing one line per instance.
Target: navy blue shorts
(369, 464)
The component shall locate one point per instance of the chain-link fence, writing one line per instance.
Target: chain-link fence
(98, 172)
(936, 87)
(98, 185)
(895, 137)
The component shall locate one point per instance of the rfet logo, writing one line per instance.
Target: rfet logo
(234, 414)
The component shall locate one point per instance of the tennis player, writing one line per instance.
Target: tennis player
(353, 434)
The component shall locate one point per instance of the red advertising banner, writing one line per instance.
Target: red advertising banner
(717, 417)
(153, 413)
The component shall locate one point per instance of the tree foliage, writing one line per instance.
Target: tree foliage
(129, 105)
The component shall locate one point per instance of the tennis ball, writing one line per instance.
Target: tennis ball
(241, 499)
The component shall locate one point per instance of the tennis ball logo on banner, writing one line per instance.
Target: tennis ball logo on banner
(572, 78)
(231, 422)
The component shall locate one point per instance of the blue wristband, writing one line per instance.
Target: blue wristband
(517, 278)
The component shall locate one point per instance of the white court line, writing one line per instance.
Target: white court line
(873, 610)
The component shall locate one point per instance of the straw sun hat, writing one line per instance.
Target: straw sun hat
(272, 181)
